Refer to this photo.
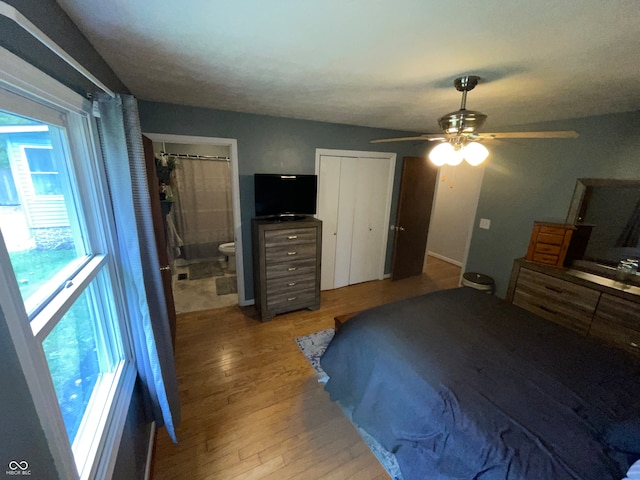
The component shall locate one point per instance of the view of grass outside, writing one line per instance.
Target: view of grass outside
(71, 352)
(35, 267)
(70, 348)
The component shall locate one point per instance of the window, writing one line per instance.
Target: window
(44, 174)
(57, 250)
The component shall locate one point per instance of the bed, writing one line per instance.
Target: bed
(462, 385)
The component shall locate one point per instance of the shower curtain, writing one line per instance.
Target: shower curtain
(202, 209)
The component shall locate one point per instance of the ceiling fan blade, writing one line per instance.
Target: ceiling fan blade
(428, 137)
(551, 134)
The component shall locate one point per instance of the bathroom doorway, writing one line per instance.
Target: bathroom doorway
(198, 182)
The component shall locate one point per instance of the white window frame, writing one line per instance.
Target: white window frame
(20, 77)
(23, 150)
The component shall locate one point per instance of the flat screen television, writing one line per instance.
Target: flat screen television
(285, 196)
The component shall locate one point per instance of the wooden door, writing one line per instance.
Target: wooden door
(417, 190)
(160, 234)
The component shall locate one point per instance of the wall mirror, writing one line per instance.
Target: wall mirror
(607, 214)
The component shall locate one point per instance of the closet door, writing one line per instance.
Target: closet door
(369, 227)
(328, 197)
(354, 198)
(346, 207)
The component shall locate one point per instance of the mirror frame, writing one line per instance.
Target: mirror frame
(581, 188)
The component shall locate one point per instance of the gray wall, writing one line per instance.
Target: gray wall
(527, 180)
(21, 437)
(54, 22)
(273, 145)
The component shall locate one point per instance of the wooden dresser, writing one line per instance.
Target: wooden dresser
(549, 243)
(286, 265)
(588, 303)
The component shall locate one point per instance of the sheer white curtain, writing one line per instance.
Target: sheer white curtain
(203, 211)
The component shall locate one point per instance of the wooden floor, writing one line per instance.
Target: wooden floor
(251, 404)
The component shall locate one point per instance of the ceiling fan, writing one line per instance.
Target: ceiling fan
(461, 127)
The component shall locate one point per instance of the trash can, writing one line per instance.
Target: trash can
(479, 281)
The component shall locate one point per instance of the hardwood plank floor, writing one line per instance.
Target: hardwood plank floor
(251, 404)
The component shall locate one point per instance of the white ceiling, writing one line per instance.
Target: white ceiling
(375, 63)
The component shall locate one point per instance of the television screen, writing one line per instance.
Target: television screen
(285, 195)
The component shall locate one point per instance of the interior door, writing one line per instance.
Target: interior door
(354, 201)
(328, 197)
(369, 225)
(417, 190)
(159, 231)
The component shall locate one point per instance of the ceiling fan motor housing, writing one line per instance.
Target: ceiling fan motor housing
(462, 121)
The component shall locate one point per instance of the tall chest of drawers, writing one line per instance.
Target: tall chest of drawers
(286, 265)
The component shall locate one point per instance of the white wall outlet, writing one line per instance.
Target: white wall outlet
(485, 223)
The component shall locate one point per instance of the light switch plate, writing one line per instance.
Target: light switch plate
(485, 223)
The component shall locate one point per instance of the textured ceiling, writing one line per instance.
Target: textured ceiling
(387, 64)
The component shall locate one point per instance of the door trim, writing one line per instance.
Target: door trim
(232, 143)
(360, 154)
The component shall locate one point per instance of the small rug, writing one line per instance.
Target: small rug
(204, 270)
(226, 285)
(312, 347)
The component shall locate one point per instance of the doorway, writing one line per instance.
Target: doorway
(199, 179)
(454, 212)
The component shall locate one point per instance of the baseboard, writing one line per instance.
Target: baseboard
(445, 259)
(152, 441)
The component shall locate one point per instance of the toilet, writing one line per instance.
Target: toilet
(229, 251)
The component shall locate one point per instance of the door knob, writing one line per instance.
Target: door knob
(401, 229)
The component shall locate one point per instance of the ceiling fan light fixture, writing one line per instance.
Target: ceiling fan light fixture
(439, 155)
(475, 153)
(453, 153)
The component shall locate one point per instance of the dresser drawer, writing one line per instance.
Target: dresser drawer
(548, 249)
(287, 301)
(292, 283)
(618, 321)
(289, 236)
(299, 266)
(555, 299)
(545, 258)
(550, 238)
(286, 253)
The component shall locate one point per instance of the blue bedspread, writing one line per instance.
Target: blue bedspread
(462, 385)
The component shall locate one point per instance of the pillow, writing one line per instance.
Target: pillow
(634, 472)
(624, 436)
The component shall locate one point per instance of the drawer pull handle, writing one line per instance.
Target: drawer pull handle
(546, 309)
(292, 253)
(292, 269)
(291, 299)
(554, 289)
(291, 284)
(292, 237)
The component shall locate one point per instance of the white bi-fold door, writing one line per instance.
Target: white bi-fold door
(354, 202)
